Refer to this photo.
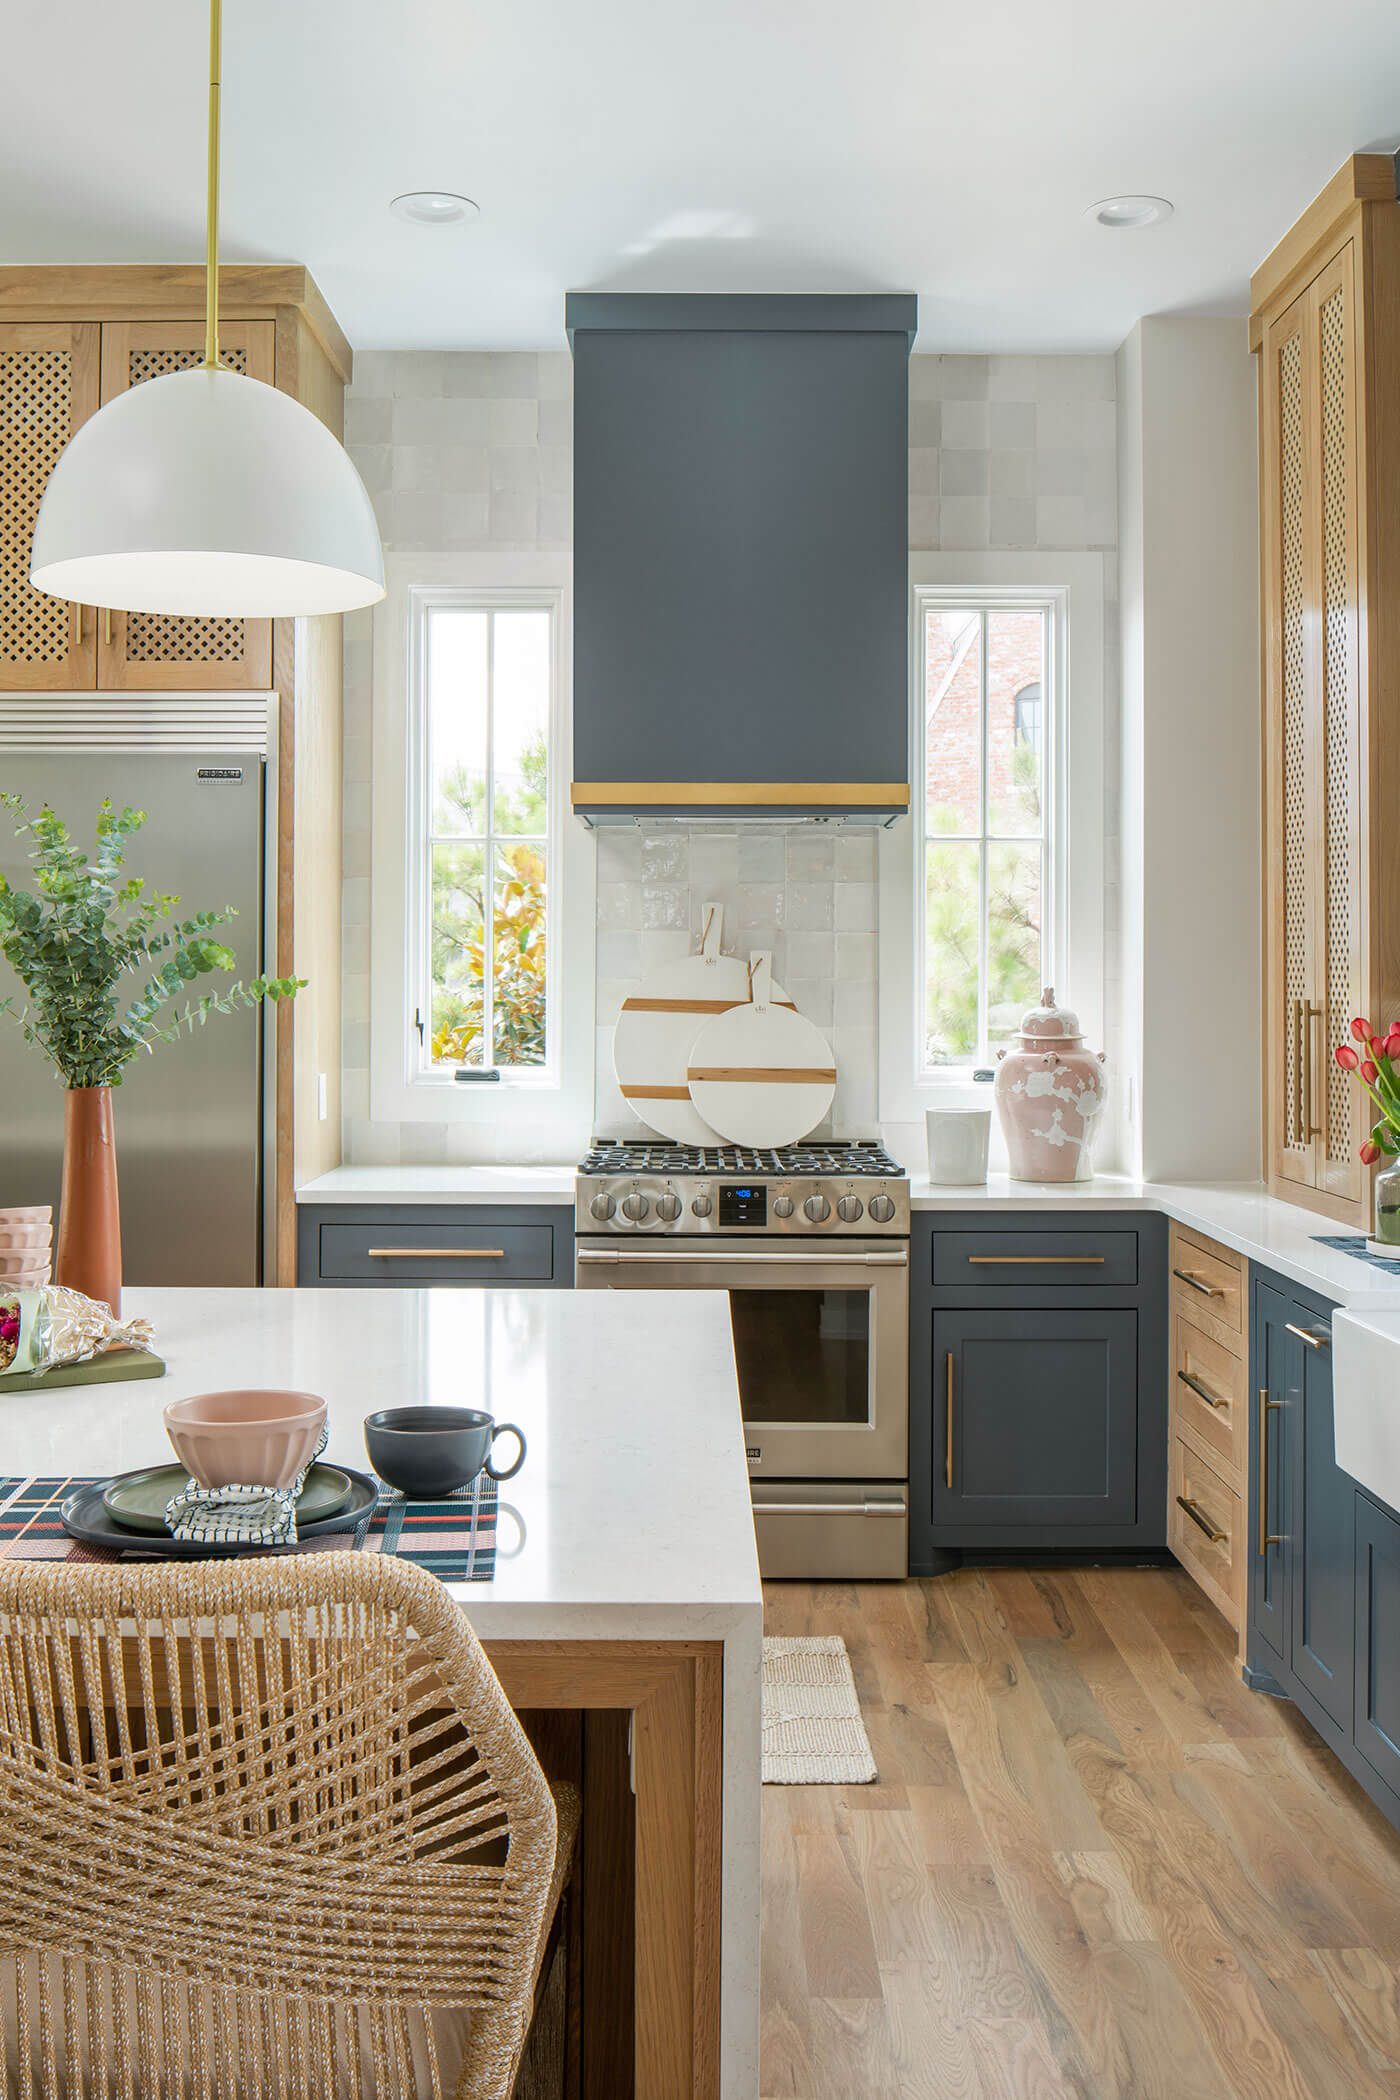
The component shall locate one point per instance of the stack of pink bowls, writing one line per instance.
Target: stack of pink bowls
(26, 1246)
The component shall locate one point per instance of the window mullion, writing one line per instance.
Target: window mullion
(488, 887)
(984, 642)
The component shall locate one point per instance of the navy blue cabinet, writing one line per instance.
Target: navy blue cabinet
(1038, 1384)
(379, 1246)
(1324, 1560)
(1036, 1416)
(1377, 1678)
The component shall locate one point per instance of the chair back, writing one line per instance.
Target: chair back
(266, 1827)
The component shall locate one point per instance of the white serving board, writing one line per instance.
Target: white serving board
(761, 1074)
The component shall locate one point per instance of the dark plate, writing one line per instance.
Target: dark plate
(84, 1517)
(137, 1500)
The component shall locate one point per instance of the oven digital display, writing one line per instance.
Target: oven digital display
(743, 1203)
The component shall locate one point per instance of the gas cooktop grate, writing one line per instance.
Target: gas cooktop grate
(821, 1160)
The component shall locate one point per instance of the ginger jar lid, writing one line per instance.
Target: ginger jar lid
(1048, 1023)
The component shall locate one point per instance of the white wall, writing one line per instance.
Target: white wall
(1189, 848)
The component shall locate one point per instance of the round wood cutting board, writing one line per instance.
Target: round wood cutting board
(761, 1073)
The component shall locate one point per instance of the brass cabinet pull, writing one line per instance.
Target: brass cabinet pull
(1300, 1121)
(1315, 1339)
(948, 1422)
(78, 611)
(1199, 1517)
(1309, 1129)
(106, 626)
(1207, 1290)
(1036, 1261)
(436, 1253)
(1267, 1538)
(1195, 1386)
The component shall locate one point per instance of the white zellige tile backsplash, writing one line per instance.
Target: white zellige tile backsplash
(808, 896)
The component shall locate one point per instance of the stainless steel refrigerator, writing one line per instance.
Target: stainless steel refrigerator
(190, 1117)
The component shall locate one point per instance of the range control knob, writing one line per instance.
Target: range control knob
(701, 1205)
(782, 1206)
(636, 1206)
(849, 1209)
(668, 1206)
(817, 1208)
(882, 1209)
(602, 1205)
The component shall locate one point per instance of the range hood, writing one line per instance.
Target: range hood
(741, 622)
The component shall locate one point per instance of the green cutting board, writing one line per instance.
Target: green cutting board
(98, 1370)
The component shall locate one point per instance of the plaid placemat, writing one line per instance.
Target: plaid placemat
(1354, 1244)
(454, 1539)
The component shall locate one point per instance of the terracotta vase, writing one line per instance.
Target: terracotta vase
(89, 1257)
(1050, 1094)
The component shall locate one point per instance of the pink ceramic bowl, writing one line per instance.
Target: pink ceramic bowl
(24, 1215)
(16, 1239)
(261, 1439)
(24, 1279)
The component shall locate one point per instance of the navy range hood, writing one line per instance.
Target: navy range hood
(741, 605)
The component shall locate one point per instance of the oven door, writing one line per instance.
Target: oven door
(821, 1341)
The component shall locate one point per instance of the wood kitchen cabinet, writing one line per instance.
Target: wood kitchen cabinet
(71, 337)
(49, 380)
(1329, 388)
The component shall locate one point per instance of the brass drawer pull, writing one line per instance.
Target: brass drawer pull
(1036, 1261)
(1314, 1340)
(1267, 1407)
(1199, 1518)
(1194, 1385)
(948, 1423)
(1207, 1290)
(436, 1253)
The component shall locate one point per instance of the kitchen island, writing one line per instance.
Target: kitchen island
(625, 1587)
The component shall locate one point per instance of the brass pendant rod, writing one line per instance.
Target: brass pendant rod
(211, 241)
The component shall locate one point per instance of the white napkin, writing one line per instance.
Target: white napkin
(239, 1515)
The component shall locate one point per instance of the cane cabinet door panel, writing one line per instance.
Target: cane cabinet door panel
(146, 651)
(48, 386)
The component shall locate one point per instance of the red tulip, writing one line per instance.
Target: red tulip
(1361, 1030)
(1370, 1153)
(1346, 1057)
(1377, 1046)
(1369, 1072)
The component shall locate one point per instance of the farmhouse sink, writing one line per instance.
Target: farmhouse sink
(1366, 1398)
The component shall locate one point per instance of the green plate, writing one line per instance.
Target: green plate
(137, 1500)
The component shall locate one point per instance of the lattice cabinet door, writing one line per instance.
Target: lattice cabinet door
(1340, 975)
(146, 651)
(1293, 1020)
(48, 386)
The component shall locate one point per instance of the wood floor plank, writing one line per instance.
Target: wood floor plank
(837, 1946)
(1094, 1867)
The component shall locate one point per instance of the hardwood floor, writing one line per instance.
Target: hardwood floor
(1093, 1867)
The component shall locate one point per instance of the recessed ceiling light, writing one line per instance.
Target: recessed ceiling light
(434, 207)
(1124, 212)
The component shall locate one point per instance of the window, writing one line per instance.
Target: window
(995, 885)
(485, 673)
(481, 890)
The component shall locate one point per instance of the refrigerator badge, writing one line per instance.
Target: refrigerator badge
(218, 773)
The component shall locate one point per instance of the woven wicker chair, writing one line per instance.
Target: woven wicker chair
(266, 1829)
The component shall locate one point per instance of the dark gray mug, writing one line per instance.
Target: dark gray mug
(428, 1451)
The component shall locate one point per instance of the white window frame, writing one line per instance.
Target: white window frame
(548, 1107)
(1071, 587)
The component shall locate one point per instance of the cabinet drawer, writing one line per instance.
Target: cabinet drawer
(1205, 1529)
(403, 1252)
(1210, 1393)
(1209, 1280)
(1034, 1261)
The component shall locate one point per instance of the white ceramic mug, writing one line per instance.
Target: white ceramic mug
(957, 1144)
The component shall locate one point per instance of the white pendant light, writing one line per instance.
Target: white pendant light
(207, 493)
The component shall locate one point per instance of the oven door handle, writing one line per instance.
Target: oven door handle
(824, 1258)
(869, 1508)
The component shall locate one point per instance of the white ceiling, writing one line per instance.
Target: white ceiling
(700, 145)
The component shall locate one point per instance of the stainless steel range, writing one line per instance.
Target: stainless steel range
(812, 1244)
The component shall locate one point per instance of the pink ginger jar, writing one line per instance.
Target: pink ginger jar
(1050, 1093)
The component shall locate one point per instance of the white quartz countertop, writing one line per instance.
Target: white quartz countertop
(440, 1185)
(1243, 1215)
(631, 1513)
